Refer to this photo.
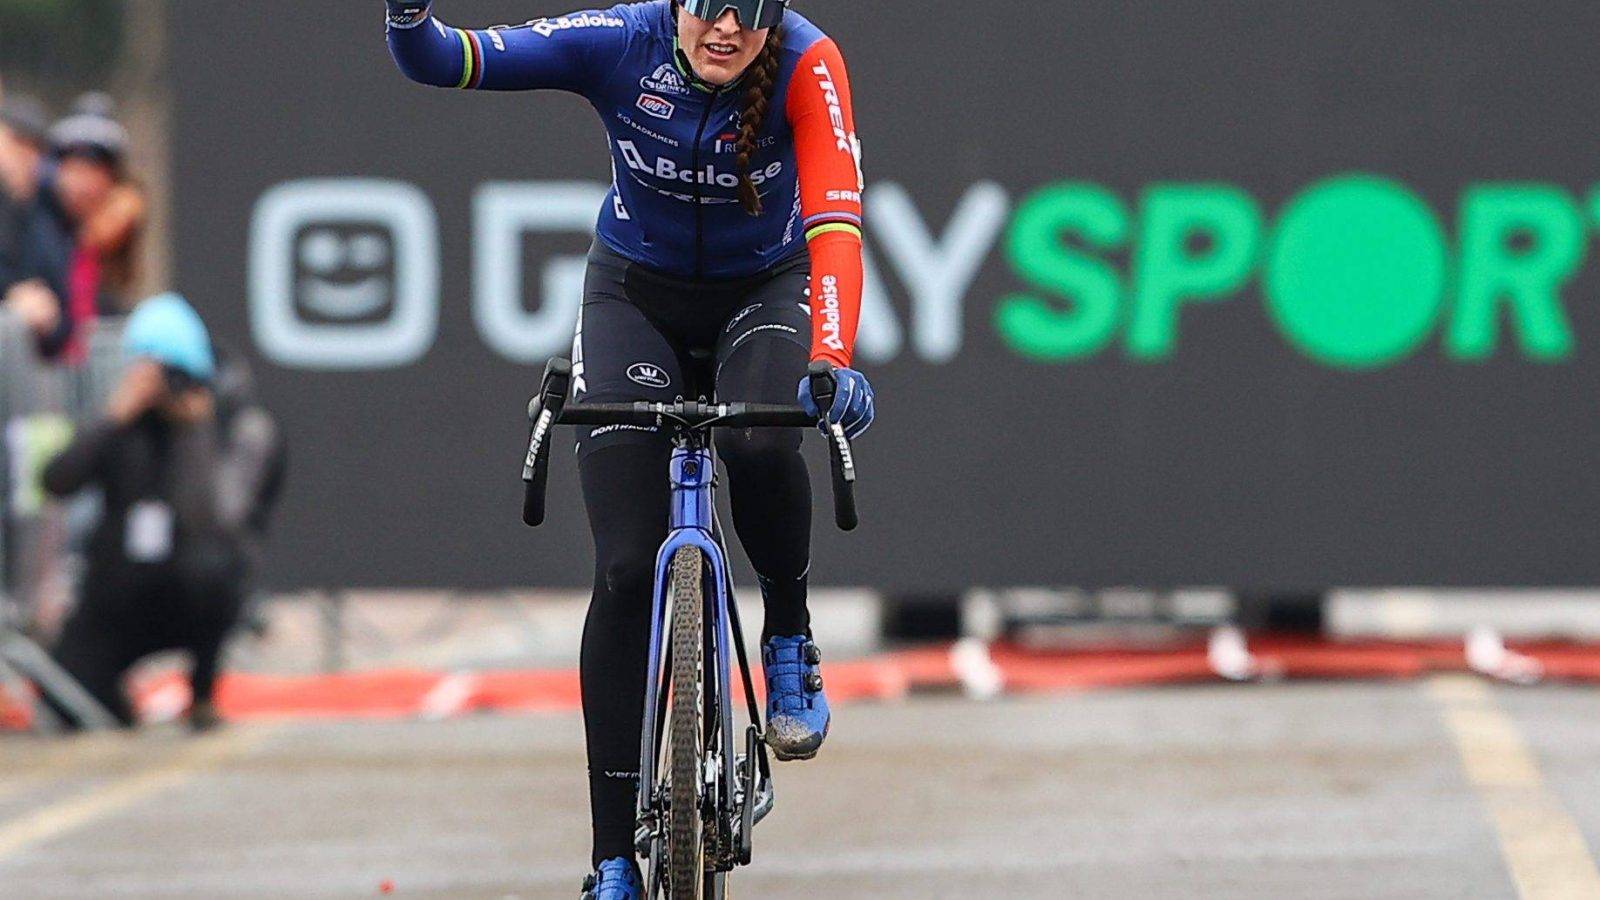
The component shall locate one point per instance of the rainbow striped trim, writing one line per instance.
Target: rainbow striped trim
(834, 215)
(831, 227)
(827, 222)
(471, 60)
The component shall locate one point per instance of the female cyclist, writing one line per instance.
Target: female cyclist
(727, 257)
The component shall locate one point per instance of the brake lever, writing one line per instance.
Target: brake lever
(824, 387)
(543, 410)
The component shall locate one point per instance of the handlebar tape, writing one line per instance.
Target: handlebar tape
(840, 460)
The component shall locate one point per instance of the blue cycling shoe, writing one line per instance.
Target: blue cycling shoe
(797, 710)
(616, 879)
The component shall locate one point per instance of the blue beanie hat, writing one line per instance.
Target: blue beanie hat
(167, 329)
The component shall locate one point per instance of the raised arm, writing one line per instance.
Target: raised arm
(829, 158)
(78, 464)
(574, 52)
(82, 463)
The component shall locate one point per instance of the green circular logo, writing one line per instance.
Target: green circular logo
(1355, 274)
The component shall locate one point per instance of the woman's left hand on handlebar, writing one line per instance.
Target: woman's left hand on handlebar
(852, 402)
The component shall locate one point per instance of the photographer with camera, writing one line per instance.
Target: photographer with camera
(166, 564)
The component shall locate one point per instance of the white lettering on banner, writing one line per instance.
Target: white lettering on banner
(879, 338)
(502, 213)
(937, 272)
(289, 244)
(404, 281)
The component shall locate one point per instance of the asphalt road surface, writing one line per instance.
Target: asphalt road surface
(1443, 788)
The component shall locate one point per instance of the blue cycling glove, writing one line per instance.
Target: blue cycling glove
(852, 402)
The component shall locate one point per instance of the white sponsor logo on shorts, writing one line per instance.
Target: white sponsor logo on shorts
(739, 317)
(604, 430)
(649, 375)
(771, 326)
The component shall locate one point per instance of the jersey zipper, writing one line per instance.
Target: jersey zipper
(699, 199)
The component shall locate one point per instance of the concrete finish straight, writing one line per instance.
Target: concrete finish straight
(1305, 790)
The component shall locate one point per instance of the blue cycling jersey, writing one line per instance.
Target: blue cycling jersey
(673, 204)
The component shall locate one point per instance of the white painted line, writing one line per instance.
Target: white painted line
(49, 822)
(79, 751)
(1541, 844)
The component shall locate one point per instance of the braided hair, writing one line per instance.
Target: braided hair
(763, 75)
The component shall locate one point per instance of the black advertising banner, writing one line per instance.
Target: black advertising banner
(1265, 294)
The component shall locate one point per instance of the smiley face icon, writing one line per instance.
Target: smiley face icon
(344, 274)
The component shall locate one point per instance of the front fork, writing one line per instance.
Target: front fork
(740, 787)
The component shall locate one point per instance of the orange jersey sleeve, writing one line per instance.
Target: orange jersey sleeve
(828, 155)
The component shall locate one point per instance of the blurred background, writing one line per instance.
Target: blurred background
(1236, 457)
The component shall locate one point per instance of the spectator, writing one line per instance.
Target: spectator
(166, 564)
(254, 464)
(80, 236)
(23, 142)
(254, 456)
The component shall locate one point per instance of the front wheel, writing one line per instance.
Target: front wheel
(685, 739)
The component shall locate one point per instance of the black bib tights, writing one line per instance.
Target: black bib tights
(755, 340)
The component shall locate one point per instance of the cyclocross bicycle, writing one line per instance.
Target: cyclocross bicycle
(699, 800)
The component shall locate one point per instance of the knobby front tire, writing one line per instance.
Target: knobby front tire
(686, 728)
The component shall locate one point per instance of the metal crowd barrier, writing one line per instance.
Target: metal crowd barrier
(40, 406)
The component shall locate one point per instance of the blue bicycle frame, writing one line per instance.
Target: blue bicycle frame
(739, 788)
(692, 523)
